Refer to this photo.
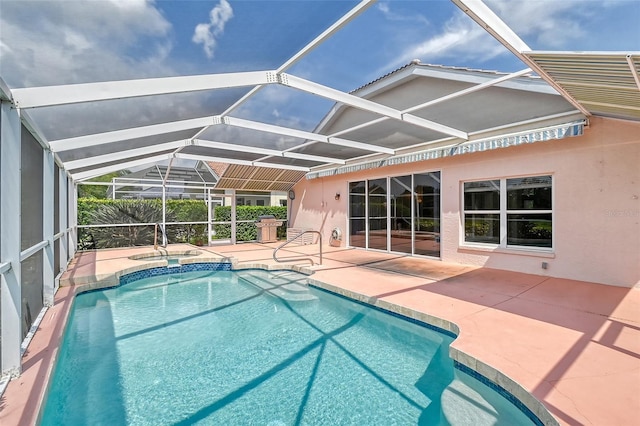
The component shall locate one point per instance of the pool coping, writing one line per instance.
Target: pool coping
(495, 379)
(487, 374)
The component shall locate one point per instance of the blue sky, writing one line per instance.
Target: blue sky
(62, 42)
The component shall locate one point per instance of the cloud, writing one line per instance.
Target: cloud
(207, 34)
(547, 24)
(64, 42)
(399, 17)
(542, 24)
(50, 43)
(460, 38)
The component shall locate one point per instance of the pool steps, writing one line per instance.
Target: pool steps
(282, 286)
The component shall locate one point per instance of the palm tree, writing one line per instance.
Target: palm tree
(124, 212)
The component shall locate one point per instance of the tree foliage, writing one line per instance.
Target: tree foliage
(99, 191)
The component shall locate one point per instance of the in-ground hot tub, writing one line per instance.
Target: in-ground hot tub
(172, 257)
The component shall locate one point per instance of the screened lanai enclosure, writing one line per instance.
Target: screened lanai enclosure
(280, 110)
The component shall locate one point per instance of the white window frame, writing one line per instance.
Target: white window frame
(504, 212)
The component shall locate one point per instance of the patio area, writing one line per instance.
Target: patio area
(575, 346)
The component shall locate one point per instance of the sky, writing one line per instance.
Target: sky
(67, 41)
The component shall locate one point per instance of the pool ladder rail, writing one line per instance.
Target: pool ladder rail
(296, 258)
(155, 236)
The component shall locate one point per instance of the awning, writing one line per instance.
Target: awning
(605, 84)
(562, 131)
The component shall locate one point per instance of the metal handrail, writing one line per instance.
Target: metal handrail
(155, 236)
(275, 251)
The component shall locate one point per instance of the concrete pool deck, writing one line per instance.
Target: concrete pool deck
(575, 346)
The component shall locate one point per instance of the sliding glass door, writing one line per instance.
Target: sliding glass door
(398, 214)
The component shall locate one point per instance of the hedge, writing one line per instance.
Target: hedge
(247, 231)
(177, 211)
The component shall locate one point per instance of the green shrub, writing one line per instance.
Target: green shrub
(94, 211)
(148, 211)
(246, 231)
(125, 211)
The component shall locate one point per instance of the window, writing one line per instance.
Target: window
(509, 212)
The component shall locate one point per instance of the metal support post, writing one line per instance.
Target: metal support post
(164, 213)
(63, 218)
(233, 216)
(73, 217)
(48, 204)
(10, 291)
(209, 216)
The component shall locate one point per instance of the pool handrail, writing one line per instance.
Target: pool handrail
(275, 251)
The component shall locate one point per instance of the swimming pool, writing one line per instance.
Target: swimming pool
(255, 347)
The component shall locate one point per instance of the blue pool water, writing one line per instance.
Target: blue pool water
(255, 347)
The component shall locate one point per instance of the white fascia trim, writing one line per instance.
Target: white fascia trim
(364, 104)
(123, 155)
(126, 134)
(120, 166)
(35, 97)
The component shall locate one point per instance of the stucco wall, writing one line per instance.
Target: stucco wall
(596, 203)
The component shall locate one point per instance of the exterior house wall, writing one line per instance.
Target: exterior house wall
(596, 190)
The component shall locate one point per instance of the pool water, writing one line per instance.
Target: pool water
(255, 347)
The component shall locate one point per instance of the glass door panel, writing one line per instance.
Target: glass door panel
(427, 214)
(378, 214)
(357, 211)
(400, 199)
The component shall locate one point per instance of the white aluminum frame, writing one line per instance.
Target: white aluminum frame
(10, 279)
